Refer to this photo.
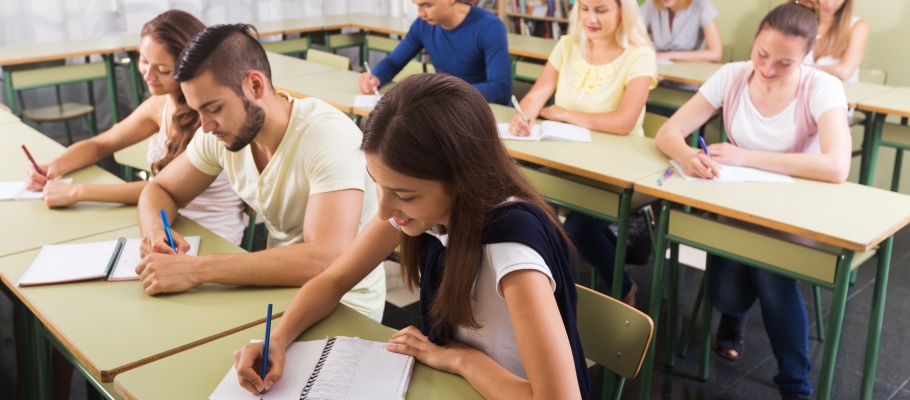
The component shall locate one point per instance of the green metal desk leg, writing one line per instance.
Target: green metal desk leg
(10, 93)
(875, 319)
(44, 364)
(704, 364)
(819, 317)
(687, 337)
(868, 127)
(134, 78)
(618, 383)
(654, 308)
(619, 263)
(873, 149)
(835, 322)
(51, 340)
(25, 345)
(111, 86)
(672, 318)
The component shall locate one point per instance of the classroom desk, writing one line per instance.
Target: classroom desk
(111, 327)
(283, 66)
(814, 229)
(530, 46)
(892, 102)
(6, 118)
(195, 373)
(336, 87)
(32, 218)
(301, 25)
(692, 73)
(105, 46)
(380, 23)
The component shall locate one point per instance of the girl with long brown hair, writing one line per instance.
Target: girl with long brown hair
(841, 41)
(165, 118)
(497, 298)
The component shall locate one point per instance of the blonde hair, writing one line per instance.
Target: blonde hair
(631, 31)
(834, 43)
(683, 4)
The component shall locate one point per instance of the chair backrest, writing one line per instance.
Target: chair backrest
(728, 54)
(652, 124)
(379, 43)
(135, 156)
(413, 68)
(612, 333)
(289, 46)
(328, 59)
(527, 71)
(872, 75)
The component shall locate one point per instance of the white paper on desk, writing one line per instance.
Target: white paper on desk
(549, 130)
(731, 173)
(362, 369)
(16, 190)
(61, 263)
(366, 100)
(300, 361)
(125, 269)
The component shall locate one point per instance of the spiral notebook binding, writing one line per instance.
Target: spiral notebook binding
(315, 375)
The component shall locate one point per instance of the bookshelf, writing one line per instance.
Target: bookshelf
(542, 18)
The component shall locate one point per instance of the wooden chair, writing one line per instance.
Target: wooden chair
(335, 41)
(613, 335)
(35, 76)
(381, 44)
(328, 59)
(526, 71)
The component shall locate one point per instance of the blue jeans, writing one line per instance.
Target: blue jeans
(734, 287)
(587, 233)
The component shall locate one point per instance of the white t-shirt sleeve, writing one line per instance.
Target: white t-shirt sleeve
(204, 153)
(827, 93)
(716, 87)
(509, 257)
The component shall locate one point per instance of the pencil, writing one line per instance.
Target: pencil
(265, 350)
(518, 108)
(367, 66)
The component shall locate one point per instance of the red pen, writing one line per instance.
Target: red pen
(34, 164)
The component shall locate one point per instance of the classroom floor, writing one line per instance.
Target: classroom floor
(748, 378)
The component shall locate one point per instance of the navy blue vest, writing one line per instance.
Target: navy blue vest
(518, 223)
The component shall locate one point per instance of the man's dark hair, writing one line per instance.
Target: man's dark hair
(228, 51)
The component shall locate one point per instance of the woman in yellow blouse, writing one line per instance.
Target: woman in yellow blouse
(601, 73)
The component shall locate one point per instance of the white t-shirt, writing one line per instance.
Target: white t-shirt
(775, 133)
(495, 337)
(827, 61)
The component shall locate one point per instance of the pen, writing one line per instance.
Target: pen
(704, 147)
(265, 349)
(667, 173)
(367, 66)
(518, 108)
(167, 230)
(34, 164)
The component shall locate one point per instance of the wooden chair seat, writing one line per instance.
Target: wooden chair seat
(58, 113)
(382, 44)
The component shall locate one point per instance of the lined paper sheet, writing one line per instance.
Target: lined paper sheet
(300, 360)
(60, 263)
(125, 270)
(731, 173)
(16, 190)
(362, 369)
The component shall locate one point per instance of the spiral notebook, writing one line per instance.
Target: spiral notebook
(114, 260)
(340, 368)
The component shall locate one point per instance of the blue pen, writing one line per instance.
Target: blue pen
(704, 147)
(265, 349)
(167, 230)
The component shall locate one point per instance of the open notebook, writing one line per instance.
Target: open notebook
(341, 368)
(549, 130)
(115, 260)
(731, 173)
(16, 190)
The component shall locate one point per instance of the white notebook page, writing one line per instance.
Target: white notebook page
(366, 100)
(59, 263)
(300, 360)
(125, 270)
(361, 369)
(731, 173)
(16, 190)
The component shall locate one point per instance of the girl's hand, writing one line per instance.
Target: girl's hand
(412, 342)
(726, 153)
(248, 363)
(58, 194)
(554, 113)
(518, 127)
(700, 166)
(34, 181)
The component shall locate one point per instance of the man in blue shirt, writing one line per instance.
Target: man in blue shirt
(462, 40)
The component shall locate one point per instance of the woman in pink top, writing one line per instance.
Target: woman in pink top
(783, 117)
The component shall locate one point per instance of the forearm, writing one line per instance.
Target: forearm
(705, 55)
(126, 193)
(79, 155)
(494, 91)
(671, 142)
(153, 199)
(313, 302)
(820, 167)
(491, 379)
(841, 71)
(533, 102)
(292, 265)
(611, 122)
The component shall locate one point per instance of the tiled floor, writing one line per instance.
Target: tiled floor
(748, 378)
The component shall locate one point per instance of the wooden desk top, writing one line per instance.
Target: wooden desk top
(380, 23)
(336, 87)
(287, 67)
(195, 373)
(111, 327)
(36, 52)
(301, 25)
(847, 215)
(530, 46)
(860, 91)
(612, 159)
(693, 73)
(6, 118)
(892, 102)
